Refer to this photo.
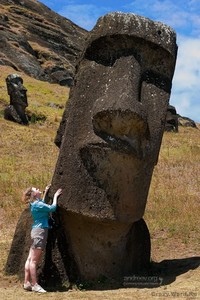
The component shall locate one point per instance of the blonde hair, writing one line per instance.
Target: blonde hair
(27, 196)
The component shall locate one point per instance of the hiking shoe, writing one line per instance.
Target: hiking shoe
(27, 286)
(37, 288)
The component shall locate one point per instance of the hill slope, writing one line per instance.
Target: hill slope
(38, 41)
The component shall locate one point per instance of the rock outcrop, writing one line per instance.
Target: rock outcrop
(186, 122)
(38, 41)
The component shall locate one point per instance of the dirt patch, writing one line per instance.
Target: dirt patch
(175, 274)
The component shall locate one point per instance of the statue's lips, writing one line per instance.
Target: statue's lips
(122, 144)
(125, 131)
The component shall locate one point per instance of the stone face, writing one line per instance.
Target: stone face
(174, 120)
(171, 119)
(111, 134)
(115, 118)
(18, 100)
(109, 140)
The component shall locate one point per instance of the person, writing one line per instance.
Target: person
(40, 214)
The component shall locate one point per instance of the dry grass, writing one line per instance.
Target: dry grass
(28, 157)
(43, 54)
(174, 197)
(39, 94)
(28, 153)
(172, 211)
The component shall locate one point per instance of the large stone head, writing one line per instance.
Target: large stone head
(113, 124)
(16, 90)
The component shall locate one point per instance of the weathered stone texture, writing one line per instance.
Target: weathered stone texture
(109, 141)
(18, 100)
(171, 119)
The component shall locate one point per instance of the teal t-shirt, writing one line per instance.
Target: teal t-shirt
(40, 213)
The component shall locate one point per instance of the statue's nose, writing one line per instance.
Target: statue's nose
(119, 113)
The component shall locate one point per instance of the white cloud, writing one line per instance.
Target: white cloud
(182, 15)
(186, 83)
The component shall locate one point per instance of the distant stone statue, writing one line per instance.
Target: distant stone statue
(171, 124)
(18, 100)
(109, 139)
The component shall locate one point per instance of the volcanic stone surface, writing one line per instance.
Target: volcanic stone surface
(109, 140)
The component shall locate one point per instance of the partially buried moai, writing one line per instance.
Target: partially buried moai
(18, 100)
(109, 140)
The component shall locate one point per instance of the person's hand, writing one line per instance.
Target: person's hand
(47, 187)
(58, 192)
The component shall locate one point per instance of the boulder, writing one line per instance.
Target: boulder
(186, 122)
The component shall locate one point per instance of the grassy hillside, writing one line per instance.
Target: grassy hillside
(28, 153)
(28, 157)
(174, 199)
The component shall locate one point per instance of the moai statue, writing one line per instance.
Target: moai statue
(171, 119)
(110, 138)
(18, 100)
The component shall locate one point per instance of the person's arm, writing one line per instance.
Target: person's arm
(56, 195)
(46, 191)
(49, 207)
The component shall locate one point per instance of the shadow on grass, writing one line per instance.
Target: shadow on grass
(158, 274)
(170, 269)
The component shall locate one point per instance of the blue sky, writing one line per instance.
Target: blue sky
(182, 15)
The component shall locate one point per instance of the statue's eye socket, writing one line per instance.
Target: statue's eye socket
(157, 79)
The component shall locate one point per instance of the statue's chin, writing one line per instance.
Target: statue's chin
(123, 177)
